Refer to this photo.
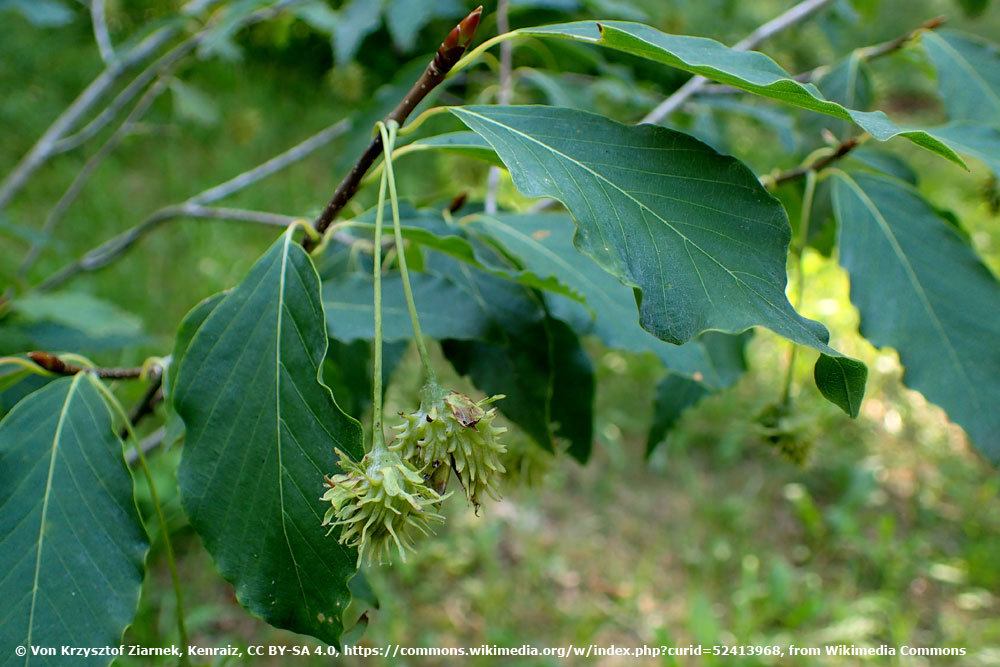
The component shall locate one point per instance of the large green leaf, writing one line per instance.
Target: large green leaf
(543, 243)
(693, 230)
(922, 290)
(71, 541)
(261, 429)
(746, 70)
(445, 309)
(968, 70)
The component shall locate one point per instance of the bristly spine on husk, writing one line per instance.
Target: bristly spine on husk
(379, 503)
(450, 430)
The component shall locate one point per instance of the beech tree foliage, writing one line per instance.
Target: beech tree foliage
(644, 236)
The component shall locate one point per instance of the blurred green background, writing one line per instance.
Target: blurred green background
(889, 533)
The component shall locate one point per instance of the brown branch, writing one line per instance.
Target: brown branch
(451, 50)
(145, 407)
(839, 152)
(54, 364)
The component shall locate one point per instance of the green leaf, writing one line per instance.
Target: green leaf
(747, 70)
(693, 230)
(71, 541)
(468, 144)
(968, 75)
(573, 387)
(194, 105)
(83, 312)
(922, 290)
(513, 356)
(174, 425)
(261, 430)
(446, 310)
(427, 228)
(975, 140)
(405, 18)
(543, 243)
(356, 20)
(674, 395)
(841, 381)
(40, 13)
(520, 367)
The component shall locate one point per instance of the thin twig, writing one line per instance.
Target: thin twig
(503, 97)
(114, 247)
(168, 61)
(101, 35)
(147, 444)
(146, 405)
(294, 154)
(447, 55)
(157, 68)
(54, 364)
(796, 14)
(845, 147)
(57, 139)
(193, 207)
(44, 148)
(83, 176)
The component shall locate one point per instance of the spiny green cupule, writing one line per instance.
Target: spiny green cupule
(379, 504)
(450, 429)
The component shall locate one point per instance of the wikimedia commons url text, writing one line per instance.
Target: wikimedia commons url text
(525, 650)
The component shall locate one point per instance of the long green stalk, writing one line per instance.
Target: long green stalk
(161, 519)
(388, 135)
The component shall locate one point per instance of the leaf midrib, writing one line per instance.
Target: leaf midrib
(56, 439)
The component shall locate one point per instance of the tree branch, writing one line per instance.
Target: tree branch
(101, 35)
(294, 154)
(146, 405)
(449, 53)
(194, 207)
(114, 247)
(76, 187)
(841, 151)
(54, 364)
(796, 14)
(44, 148)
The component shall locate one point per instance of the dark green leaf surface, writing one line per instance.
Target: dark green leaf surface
(968, 75)
(514, 357)
(469, 144)
(747, 70)
(261, 430)
(693, 230)
(921, 290)
(445, 309)
(674, 395)
(520, 368)
(174, 426)
(71, 541)
(544, 244)
(572, 402)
